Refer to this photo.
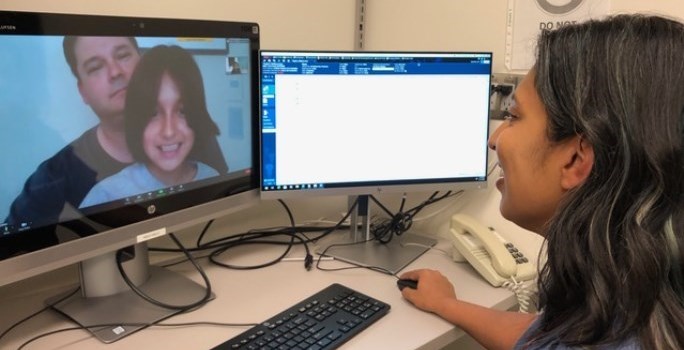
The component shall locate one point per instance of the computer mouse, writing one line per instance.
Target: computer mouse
(403, 283)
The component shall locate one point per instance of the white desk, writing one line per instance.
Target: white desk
(253, 296)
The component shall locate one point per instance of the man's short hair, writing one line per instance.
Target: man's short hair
(69, 44)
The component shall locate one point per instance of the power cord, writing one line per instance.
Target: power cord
(383, 231)
(187, 324)
(454, 197)
(308, 259)
(204, 231)
(295, 235)
(140, 293)
(16, 324)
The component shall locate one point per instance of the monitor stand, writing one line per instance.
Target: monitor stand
(360, 249)
(106, 299)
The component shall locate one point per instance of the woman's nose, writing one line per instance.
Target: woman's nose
(491, 142)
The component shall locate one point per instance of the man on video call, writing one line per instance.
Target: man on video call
(102, 67)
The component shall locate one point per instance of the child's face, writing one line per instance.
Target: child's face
(168, 139)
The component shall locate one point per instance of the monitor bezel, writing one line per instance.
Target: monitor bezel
(374, 187)
(129, 224)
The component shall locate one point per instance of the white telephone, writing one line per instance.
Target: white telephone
(490, 254)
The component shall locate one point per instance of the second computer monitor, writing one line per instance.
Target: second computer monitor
(363, 123)
(355, 123)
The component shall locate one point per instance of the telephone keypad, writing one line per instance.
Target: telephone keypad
(515, 253)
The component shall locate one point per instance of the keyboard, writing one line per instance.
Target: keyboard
(325, 320)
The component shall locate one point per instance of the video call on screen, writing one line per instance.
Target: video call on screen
(42, 111)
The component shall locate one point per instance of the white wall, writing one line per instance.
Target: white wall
(671, 8)
(462, 24)
(437, 25)
(290, 24)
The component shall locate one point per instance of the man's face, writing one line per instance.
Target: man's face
(104, 66)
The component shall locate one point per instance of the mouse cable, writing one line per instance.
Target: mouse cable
(140, 293)
(358, 266)
(428, 247)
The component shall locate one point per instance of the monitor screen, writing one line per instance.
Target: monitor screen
(367, 122)
(117, 130)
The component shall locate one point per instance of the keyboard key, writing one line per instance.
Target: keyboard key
(312, 324)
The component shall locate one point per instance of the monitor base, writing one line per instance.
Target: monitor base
(391, 257)
(119, 310)
(361, 249)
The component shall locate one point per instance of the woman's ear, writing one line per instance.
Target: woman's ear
(579, 163)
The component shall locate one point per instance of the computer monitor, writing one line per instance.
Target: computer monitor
(364, 123)
(117, 130)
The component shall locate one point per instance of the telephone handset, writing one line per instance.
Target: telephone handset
(490, 254)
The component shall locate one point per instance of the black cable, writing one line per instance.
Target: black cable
(383, 231)
(252, 234)
(218, 243)
(16, 324)
(215, 254)
(252, 238)
(400, 222)
(372, 268)
(308, 259)
(382, 206)
(185, 324)
(140, 293)
(293, 235)
(201, 235)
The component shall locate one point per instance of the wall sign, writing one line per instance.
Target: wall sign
(527, 18)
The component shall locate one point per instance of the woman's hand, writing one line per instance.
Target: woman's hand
(433, 291)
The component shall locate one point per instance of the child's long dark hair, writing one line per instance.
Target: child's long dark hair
(143, 89)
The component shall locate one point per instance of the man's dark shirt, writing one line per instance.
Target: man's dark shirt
(63, 179)
(55, 190)
(60, 182)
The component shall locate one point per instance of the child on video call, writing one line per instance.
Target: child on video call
(166, 124)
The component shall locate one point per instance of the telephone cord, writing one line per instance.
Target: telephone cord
(521, 293)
